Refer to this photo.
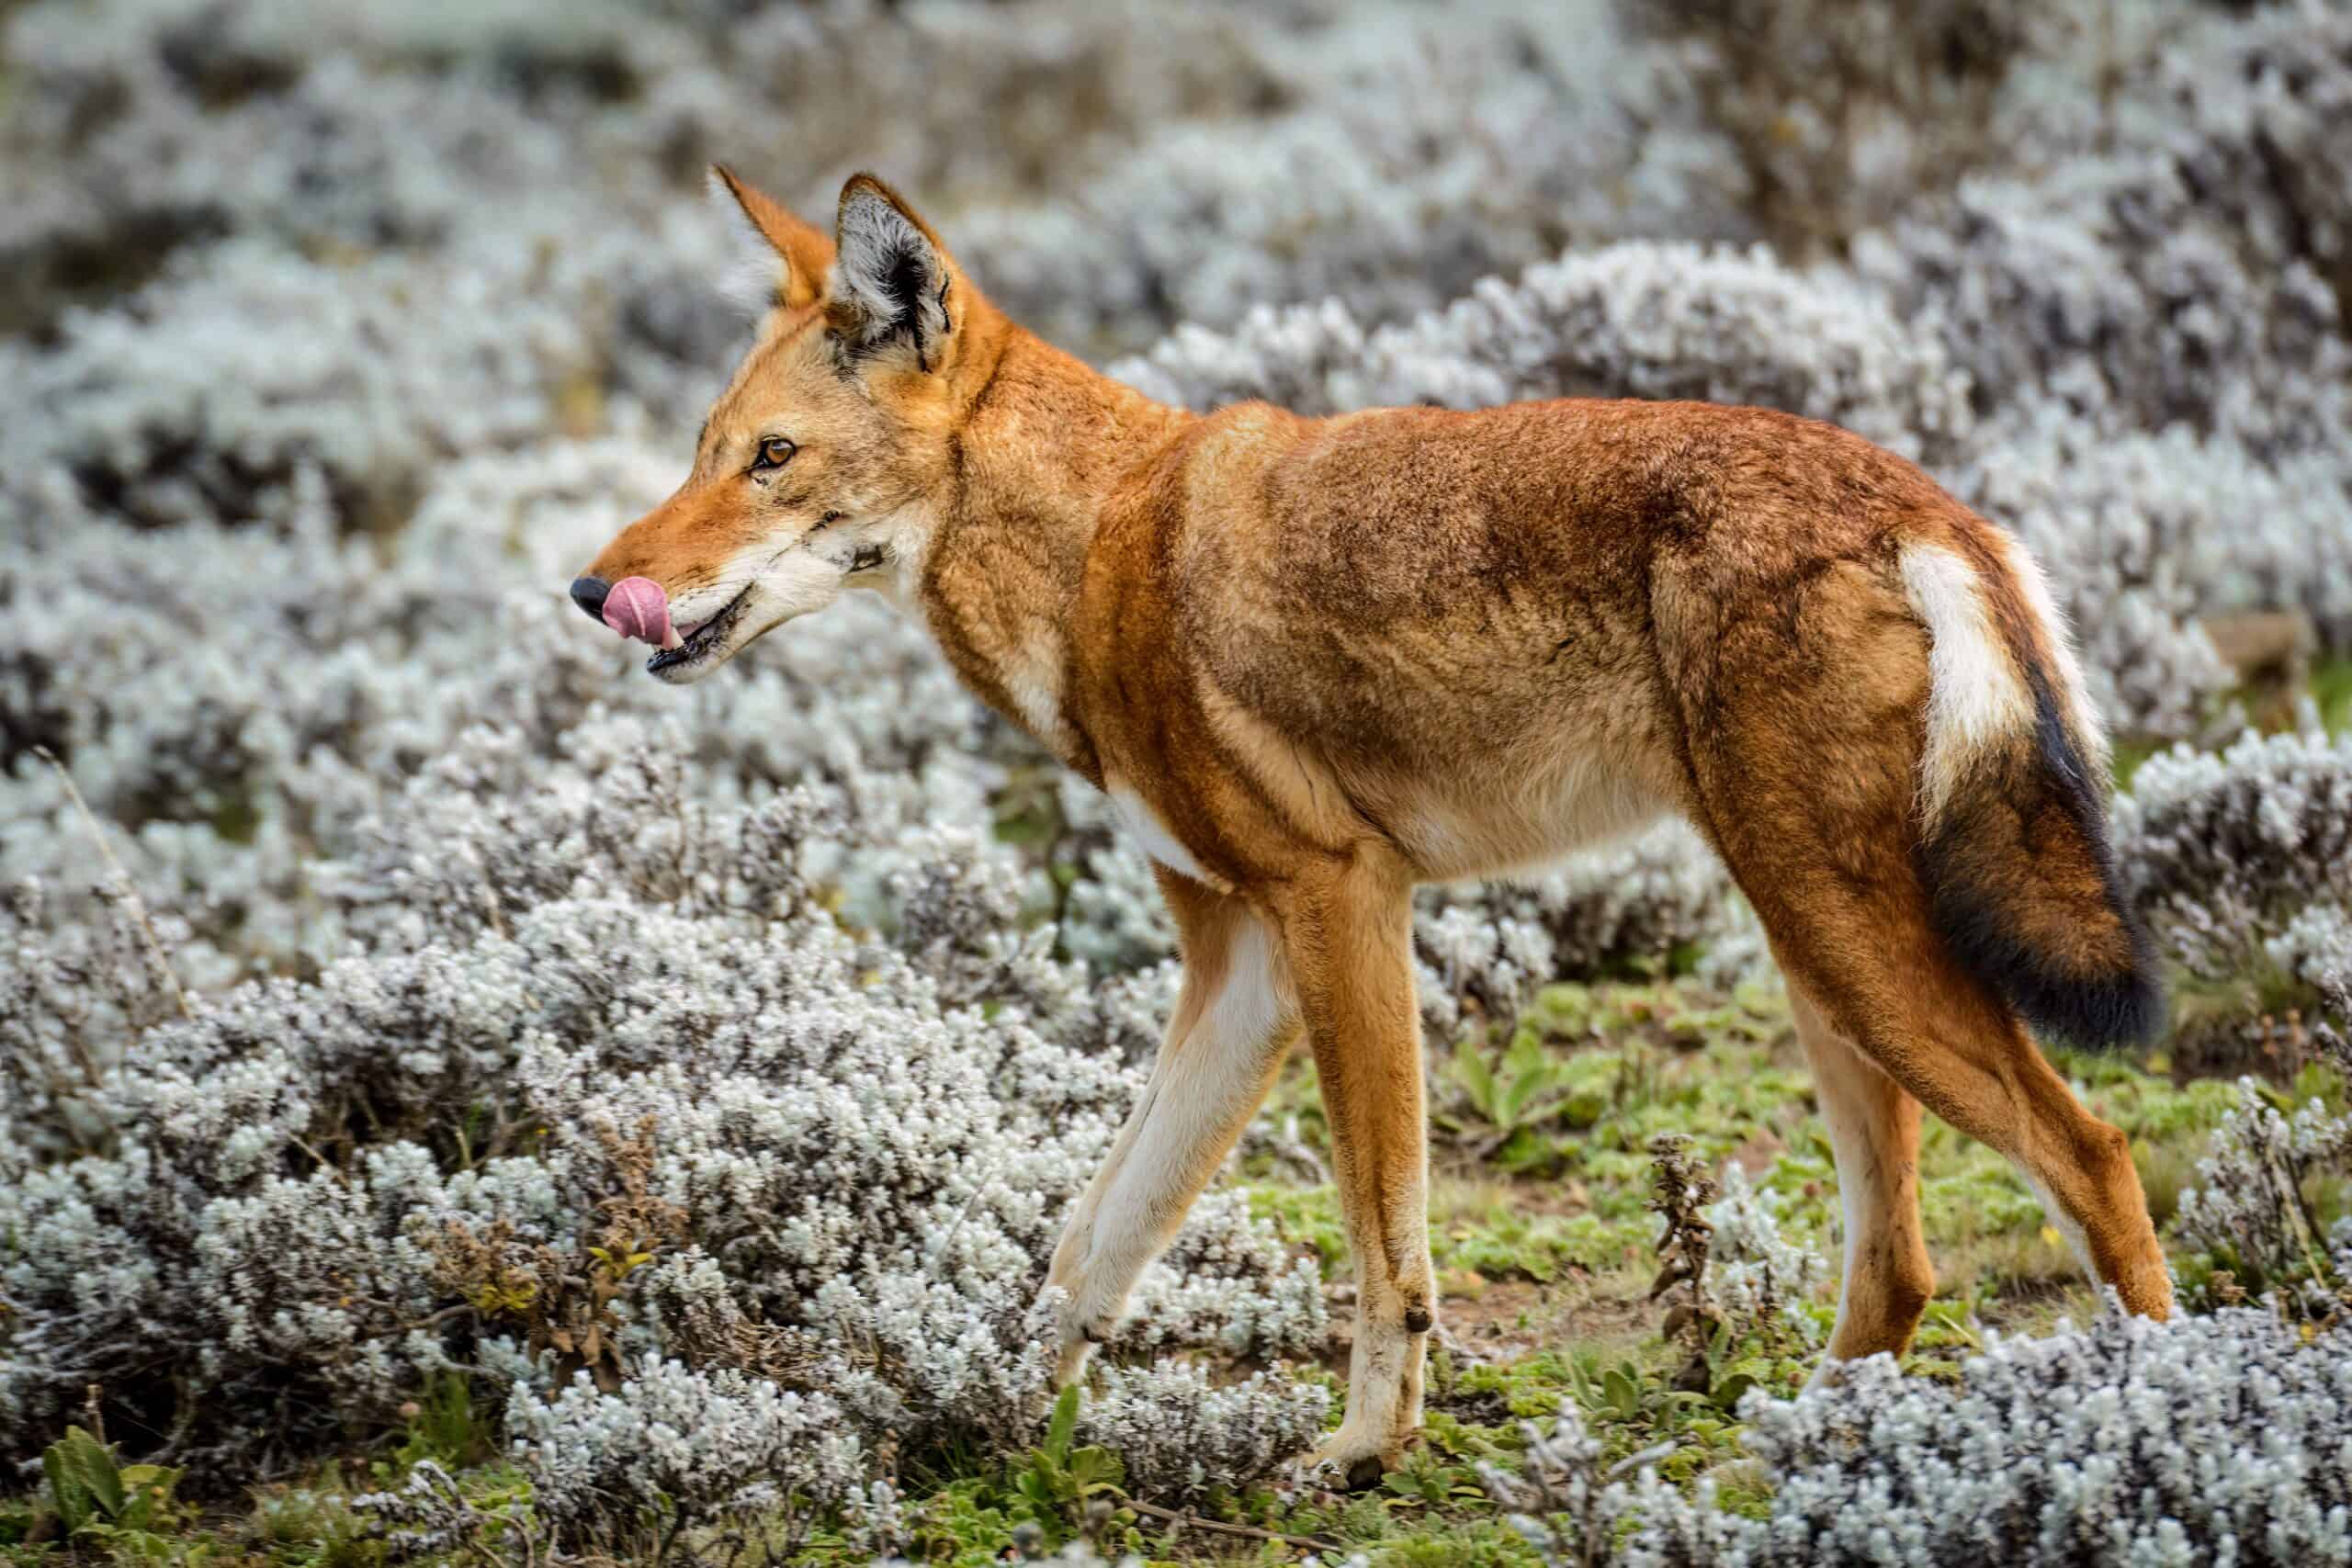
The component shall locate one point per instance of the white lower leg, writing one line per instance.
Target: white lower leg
(1825, 1373)
(1873, 1136)
(1396, 1314)
(1201, 1094)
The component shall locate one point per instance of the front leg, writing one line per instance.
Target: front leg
(1347, 934)
(1226, 1039)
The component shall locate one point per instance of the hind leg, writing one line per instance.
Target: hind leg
(2079, 1166)
(1874, 1132)
(1883, 979)
(1808, 715)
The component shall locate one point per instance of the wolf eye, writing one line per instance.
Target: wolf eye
(774, 453)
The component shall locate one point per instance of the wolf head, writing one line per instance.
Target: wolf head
(818, 467)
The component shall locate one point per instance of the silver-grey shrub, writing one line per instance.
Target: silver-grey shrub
(2210, 1440)
(2226, 852)
(1635, 319)
(2223, 1438)
(673, 1443)
(1179, 1431)
(2251, 1211)
(850, 1156)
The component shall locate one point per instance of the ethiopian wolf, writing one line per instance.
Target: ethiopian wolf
(1316, 661)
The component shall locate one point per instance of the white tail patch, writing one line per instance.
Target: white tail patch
(2091, 735)
(1976, 695)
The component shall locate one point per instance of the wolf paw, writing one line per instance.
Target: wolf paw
(1346, 1462)
(1075, 1345)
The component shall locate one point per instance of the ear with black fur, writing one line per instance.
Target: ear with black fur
(894, 286)
(772, 235)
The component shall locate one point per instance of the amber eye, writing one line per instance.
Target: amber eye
(774, 453)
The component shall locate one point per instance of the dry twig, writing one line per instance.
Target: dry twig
(130, 888)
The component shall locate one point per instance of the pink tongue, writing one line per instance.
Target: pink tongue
(636, 607)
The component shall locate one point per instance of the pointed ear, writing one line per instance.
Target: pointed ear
(894, 287)
(772, 235)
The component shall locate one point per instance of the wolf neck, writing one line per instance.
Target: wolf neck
(1046, 445)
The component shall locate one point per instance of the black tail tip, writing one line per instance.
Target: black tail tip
(2095, 1001)
(2106, 1014)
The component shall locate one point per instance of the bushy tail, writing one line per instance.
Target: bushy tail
(2014, 845)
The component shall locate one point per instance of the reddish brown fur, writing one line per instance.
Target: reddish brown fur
(1331, 658)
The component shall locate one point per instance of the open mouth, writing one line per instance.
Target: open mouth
(695, 645)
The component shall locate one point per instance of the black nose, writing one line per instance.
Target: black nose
(588, 592)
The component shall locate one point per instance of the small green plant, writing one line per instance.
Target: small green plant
(442, 1425)
(1061, 1483)
(1620, 1393)
(1524, 1085)
(1633, 1408)
(122, 1509)
(1431, 1483)
(311, 1524)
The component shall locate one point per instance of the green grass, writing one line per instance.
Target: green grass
(2331, 687)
